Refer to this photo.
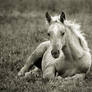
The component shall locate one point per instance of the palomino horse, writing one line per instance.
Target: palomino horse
(66, 53)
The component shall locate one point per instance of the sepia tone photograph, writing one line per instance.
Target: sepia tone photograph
(45, 45)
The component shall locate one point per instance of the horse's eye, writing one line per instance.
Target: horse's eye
(48, 34)
(62, 33)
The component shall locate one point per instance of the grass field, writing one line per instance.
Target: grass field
(22, 29)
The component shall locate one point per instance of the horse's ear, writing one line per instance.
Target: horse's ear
(62, 17)
(48, 17)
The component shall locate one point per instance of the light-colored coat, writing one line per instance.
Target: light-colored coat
(74, 55)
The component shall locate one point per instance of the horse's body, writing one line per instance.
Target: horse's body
(66, 53)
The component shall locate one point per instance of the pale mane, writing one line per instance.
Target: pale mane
(76, 30)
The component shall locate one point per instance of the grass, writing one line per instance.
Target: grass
(70, 6)
(22, 28)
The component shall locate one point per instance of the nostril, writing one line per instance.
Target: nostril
(55, 53)
(58, 51)
(52, 52)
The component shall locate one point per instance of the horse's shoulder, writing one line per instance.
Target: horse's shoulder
(42, 47)
(44, 44)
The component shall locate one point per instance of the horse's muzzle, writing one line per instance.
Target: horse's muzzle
(55, 53)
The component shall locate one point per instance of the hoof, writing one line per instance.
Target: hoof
(21, 73)
(58, 78)
(35, 74)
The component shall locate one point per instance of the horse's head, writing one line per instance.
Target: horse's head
(56, 33)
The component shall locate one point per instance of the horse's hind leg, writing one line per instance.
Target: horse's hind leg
(77, 77)
(34, 57)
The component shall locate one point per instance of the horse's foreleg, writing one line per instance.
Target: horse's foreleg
(34, 72)
(49, 73)
(34, 57)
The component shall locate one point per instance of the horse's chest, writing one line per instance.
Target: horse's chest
(48, 61)
(59, 65)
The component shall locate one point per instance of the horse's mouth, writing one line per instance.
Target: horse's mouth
(56, 56)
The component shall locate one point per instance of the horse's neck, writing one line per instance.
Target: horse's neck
(73, 47)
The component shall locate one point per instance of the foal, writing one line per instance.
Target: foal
(66, 52)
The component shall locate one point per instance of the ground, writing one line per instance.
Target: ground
(20, 33)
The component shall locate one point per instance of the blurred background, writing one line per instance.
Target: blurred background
(70, 6)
